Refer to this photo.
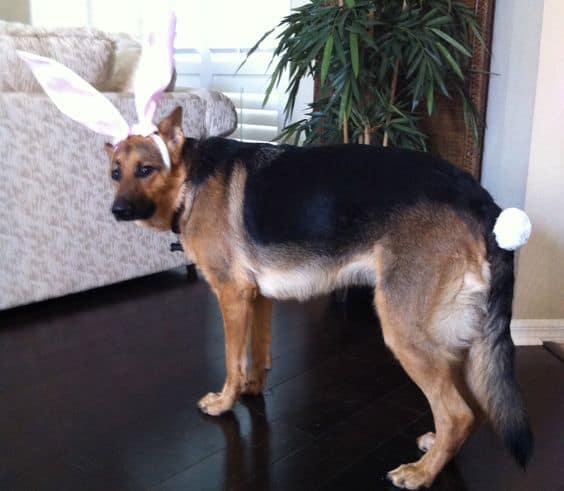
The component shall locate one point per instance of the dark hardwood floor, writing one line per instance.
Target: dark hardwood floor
(98, 391)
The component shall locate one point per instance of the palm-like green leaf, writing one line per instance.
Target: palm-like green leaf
(327, 52)
(354, 52)
(430, 99)
(353, 43)
(451, 61)
(453, 42)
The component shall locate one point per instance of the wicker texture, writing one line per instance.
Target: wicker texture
(448, 135)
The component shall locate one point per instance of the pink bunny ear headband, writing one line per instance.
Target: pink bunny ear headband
(80, 101)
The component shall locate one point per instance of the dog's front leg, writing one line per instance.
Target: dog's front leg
(236, 302)
(261, 340)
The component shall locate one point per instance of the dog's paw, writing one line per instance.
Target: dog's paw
(216, 403)
(426, 441)
(410, 476)
(254, 384)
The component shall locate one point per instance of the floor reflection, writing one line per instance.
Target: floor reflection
(247, 452)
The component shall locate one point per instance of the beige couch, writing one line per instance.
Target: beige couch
(57, 235)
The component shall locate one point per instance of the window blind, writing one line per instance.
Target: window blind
(216, 69)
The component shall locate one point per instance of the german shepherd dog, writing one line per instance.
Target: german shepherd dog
(266, 222)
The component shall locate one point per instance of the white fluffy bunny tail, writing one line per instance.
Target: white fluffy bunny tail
(512, 229)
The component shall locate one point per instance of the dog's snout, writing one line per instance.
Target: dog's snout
(126, 208)
(123, 209)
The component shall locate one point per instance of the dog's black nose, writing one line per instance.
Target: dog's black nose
(123, 209)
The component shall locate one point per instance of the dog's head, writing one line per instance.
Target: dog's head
(147, 170)
(145, 188)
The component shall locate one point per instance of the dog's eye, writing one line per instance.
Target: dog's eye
(116, 173)
(144, 171)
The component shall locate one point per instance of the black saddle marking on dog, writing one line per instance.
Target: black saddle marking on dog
(216, 156)
(328, 197)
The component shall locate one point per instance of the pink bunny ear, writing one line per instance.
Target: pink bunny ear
(77, 98)
(154, 71)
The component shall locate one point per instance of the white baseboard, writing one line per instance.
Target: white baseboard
(531, 332)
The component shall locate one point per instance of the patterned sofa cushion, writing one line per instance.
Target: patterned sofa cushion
(88, 52)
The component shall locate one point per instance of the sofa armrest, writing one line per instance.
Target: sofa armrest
(206, 113)
(221, 116)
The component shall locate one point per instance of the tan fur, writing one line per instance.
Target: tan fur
(215, 213)
(430, 291)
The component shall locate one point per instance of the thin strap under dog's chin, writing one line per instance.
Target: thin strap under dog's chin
(186, 188)
(175, 222)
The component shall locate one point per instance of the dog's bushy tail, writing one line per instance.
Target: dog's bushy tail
(491, 372)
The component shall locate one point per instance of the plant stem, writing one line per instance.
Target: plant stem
(393, 92)
(392, 100)
(345, 129)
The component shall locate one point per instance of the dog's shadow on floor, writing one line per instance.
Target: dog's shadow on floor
(248, 450)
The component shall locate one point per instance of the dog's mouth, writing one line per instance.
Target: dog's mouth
(125, 210)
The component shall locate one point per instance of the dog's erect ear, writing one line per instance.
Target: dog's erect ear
(170, 128)
(109, 149)
(174, 119)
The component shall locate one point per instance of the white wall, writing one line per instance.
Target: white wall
(540, 285)
(515, 49)
(108, 15)
(523, 149)
(14, 10)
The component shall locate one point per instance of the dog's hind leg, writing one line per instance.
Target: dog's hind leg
(453, 417)
(261, 339)
(410, 300)
(237, 307)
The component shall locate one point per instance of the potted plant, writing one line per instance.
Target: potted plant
(379, 66)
